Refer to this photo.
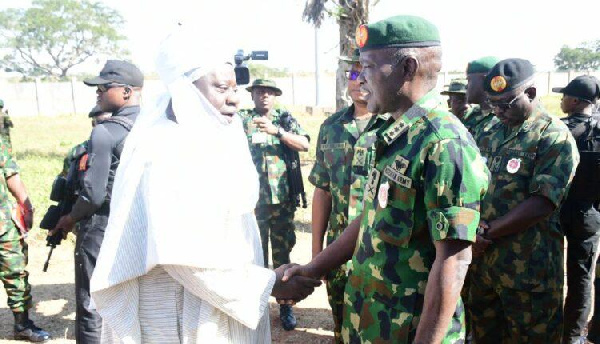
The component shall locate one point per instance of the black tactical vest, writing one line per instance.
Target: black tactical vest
(586, 184)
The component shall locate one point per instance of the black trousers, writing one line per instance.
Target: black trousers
(88, 324)
(581, 224)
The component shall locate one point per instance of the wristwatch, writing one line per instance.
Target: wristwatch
(280, 133)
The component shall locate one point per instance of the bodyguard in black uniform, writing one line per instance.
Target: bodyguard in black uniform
(118, 89)
(580, 220)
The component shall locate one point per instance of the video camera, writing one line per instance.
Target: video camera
(61, 193)
(242, 74)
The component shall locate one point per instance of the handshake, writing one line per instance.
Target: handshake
(294, 283)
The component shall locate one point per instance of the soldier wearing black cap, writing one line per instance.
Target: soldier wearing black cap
(516, 289)
(580, 220)
(118, 91)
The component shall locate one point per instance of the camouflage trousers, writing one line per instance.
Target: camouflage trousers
(13, 260)
(505, 315)
(276, 221)
(377, 313)
(336, 283)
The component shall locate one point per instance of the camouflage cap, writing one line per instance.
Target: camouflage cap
(482, 65)
(508, 75)
(457, 86)
(397, 32)
(266, 84)
(354, 58)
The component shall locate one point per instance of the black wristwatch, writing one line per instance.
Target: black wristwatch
(280, 132)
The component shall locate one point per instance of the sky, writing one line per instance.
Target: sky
(469, 29)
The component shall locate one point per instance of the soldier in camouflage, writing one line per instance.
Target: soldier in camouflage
(15, 222)
(579, 219)
(480, 114)
(344, 155)
(275, 209)
(5, 124)
(457, 100)
(412, 243)
(516, 293)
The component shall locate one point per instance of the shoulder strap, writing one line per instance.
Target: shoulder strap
(121, 120)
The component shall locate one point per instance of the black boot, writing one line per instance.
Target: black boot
(25, 329)
(288, 320)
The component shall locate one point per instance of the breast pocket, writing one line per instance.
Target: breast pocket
(395, 222)
(335, 154)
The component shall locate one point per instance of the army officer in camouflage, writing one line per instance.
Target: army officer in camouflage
(480, 114)
(268, 130)
(457, 100)
(517, 284)
(412, 243)
(345, 152)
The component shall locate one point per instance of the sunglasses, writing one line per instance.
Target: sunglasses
(352, 74)
(506, 106)
(106, 87)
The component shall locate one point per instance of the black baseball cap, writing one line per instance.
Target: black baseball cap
(584, 87)
(119, 72)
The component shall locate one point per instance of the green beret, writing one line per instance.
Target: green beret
(354, 58)
(266, 84)
(397, 32)
(457, 86)
(482, 65)
(508, 75)
(1, 103)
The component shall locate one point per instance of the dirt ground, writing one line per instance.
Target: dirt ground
(54, 299)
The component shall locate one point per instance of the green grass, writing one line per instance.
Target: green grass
(41, 143)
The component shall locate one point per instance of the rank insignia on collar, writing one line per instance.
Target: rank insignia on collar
(371, 186)
(513, 165)
(360, 156)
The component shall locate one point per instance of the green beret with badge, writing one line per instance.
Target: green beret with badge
(397, 32)
(266, 84)
(482, 65)
(508, 75)
(456, 86)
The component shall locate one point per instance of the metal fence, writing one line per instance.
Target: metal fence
(71, 97)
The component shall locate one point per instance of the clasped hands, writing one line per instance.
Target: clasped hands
(294, 283)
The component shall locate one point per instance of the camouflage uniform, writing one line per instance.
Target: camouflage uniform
(5, 125)
(13, 248)
(517, 285)
(476, 119)
(426, 185)
(71, 157)
(275, 209)
(344, 157)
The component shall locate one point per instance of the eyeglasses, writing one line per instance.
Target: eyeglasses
(105, 87)
(352, 74)
(506, 106)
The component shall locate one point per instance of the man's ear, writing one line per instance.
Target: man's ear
(409, 66)
(531, 93)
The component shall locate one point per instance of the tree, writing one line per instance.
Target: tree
(52, 36)
(349, 15)
(585, 57)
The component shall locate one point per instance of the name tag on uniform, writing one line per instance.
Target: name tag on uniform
(332, 146)
(371, 186)
(360, 156)
(258, 138)
(398, 178)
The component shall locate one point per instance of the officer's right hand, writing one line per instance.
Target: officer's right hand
(64, 224)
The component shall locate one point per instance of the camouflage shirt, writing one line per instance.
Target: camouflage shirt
(344, 157)
(267, 154)
(426, 186)
(475, 119)
(9, 168)
(537, 158)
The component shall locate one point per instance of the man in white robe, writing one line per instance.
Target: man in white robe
(181, 260)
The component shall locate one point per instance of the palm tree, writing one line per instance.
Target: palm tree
(349, 14)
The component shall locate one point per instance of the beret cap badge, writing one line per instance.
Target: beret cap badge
(498, 83)
(362, 35)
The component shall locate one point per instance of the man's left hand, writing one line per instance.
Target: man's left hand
(65, 224)
(265, 125)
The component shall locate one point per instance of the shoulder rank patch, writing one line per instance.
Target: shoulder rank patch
(396, 177)
(394, 132)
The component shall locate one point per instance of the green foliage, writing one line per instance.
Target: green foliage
(582, 58)
(261, 71)
(53, 36)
